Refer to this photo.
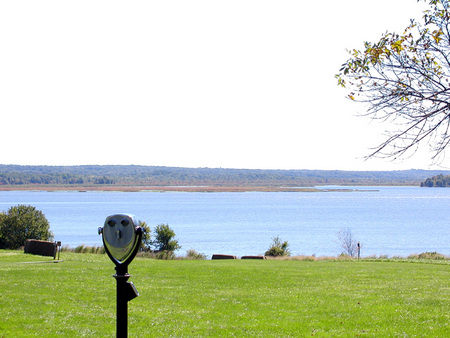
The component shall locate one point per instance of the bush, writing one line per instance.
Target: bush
(166, 255)
(86, 249)
(165, 239)
(192, 254)
(428, 255)
(20, 223)
(146, 239)
(278, 248)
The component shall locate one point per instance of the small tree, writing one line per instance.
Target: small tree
(278, 248)
(20, 223)
(2, 218)
(146, 239)
(165, 239)
(348, 242)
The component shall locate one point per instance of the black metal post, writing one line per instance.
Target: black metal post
(359, 250)
(122, 308)
(122, 242)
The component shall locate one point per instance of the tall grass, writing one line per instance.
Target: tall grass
(84, 249)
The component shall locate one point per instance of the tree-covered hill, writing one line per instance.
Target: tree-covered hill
(14, 175)
(437, 181)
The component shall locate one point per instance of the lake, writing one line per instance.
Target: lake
(394, 221)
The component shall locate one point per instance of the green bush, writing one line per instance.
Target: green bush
(167, 255)
(278, 248)
(20, 223)
(146, 239)
(428, 255)
(165, 239)
(79, 249)
(192, 254)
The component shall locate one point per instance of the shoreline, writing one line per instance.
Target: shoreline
(139, 188)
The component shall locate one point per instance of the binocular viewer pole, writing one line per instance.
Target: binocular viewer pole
(122, 238)
(125, 291)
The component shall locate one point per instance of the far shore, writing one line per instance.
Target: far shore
(136, 188)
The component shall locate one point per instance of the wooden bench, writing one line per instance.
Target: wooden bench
(253, 257)
(42, 248)
(219, 256)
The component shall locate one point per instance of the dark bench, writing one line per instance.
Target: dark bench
(219, 256)
(253, 257)
(42, 248)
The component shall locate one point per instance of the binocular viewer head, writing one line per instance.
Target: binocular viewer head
(121, 236)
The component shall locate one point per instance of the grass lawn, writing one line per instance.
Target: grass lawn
(243, 298)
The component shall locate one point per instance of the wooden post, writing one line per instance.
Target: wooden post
(359, 250)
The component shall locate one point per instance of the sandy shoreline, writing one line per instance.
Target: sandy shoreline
(140, 188)
(154, 188)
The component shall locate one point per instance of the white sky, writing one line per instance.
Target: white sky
(232, 84)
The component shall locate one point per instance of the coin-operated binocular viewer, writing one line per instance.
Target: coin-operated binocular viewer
(122, 237)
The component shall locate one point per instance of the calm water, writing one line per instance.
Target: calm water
(386, 220)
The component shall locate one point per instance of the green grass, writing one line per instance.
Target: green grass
(242, 298)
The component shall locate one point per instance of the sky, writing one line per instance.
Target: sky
(231, 84)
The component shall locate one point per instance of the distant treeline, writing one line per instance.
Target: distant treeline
(43, 176)
(437, 181)
(174, 176)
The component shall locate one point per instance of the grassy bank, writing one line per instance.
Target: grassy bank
(243, 298)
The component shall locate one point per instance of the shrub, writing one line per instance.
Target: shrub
(79, 249)
(165, 239)
(86, 249)
(167, 255)
(146, 239)
(20, 223)
(428, 255)
(192, 254)
(278, 248)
